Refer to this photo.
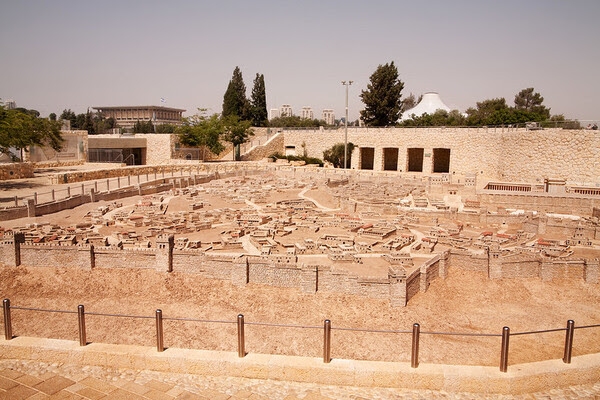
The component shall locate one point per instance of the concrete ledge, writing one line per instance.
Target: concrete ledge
(522, 378)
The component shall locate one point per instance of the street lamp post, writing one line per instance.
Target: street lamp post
(346, 125)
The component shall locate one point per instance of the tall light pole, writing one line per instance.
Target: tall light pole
(346, 125)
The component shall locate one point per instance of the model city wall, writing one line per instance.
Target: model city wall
(398, 287)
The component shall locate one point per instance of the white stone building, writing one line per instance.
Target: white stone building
(273, 113)
(328, 116)
(286, 110)
(307, 113)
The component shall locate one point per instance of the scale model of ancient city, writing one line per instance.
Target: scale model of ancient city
(462, 231)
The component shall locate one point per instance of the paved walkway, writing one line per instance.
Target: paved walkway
(35, 381)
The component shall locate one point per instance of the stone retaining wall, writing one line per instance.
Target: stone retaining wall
(16, 171)
(494, 153)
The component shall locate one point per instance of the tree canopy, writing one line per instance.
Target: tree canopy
(94, 123)
(295, 121)
(439, 118)
(143, 127)
(202, 130)
(234, 100)
(335, 154)
(236, 132)
(528, 108)
(382, 98)
(259, 102)
(20, 130)
(530, 101)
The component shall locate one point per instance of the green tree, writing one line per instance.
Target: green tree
(33, 113)
(88, 123)
(439, 118)
(20, 130)
(68, 115)
(383, 97)
(236, 132)
(482, 114)
(295, 121)
(79, 121)
(143, 127)
(165, 128)
(335, 154)
(234, 100)
(410, 102)
(259, 102)
(530, 101)
(202, 131)
(52, 117)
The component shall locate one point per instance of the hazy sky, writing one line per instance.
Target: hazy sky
(78, 54)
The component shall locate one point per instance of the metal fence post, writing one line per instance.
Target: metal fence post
(82, 189)
(108, 185)
(327, 341)
(68, 191)
(35, 198)
(81, 320)
(569, 341)
(53, 195)
(504, 351)
(16, 201)
(241, 338)
(414, 356)
(159, 332)
(7, 321)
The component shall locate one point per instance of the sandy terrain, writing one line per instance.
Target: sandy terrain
(465, 302)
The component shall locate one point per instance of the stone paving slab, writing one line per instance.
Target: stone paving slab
(32, 380)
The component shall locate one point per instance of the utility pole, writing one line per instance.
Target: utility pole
(346, 125)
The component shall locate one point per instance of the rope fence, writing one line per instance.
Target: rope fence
(327, 328)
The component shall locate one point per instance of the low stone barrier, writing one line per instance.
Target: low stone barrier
(16, 171)
(520, 379)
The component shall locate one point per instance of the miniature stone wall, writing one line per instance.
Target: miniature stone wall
(542, 202)
(55, 256)
(494, 153)
(280, 275)
(106, 257)
(397, 287)
(16, 171)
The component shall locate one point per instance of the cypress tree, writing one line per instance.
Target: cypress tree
(383, 97)
(234, 100)
(259, 102)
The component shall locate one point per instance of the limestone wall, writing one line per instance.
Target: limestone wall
(126, 258)
(280, 275)
(543, 202)
(159, 148)
(274, 145)
(413, 284)
(467, 261)
(510, 155)
(54, 256)
(16, 171)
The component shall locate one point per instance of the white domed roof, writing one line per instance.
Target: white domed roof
(430, 103)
